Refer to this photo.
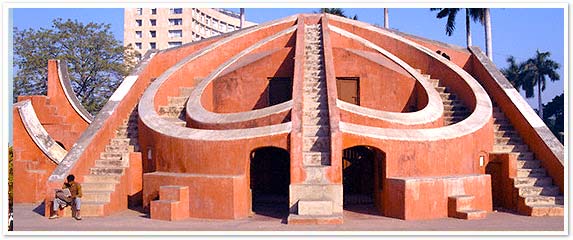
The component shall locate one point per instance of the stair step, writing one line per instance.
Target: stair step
(177, 100)
(102, 178)
(314, 105)
(316, 113)
(96, 196)
(185, 91)
(315, 158)
(176, 121)
(535, 191)
(544, 200)
(88, 209)
(538, 210)
(471, 214)
(106, 170)
(528, 163)
(510, 148)
(508, 140)
(508, 133)
(315, 174)
(111, 155)
(502, 127)
(317, 144)
(531, 172)
(98, 186)
(316, 130)
(119, 148)
(110, 163)
(120, 141)
(532, 181)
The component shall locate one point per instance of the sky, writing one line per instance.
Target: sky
(515, 31)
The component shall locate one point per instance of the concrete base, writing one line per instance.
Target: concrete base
(315, 207)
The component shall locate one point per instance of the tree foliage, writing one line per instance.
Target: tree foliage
(534, 71)
(553, 113)
(337, 12)
(95, 60)
(476, 14)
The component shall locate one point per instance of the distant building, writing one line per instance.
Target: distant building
(162, 28)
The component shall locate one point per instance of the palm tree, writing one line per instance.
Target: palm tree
(480, 15)
(487, 27)
(386, 18)
(530, 73)
(535, 71)
(242, 15)
(513, 72)
(476, 14)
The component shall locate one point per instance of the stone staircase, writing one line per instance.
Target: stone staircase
(100, 188)
(175, 109)
(461, 206)
(454, 109)
(536, 195)
(314, 206)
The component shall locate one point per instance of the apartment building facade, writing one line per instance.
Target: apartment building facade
(162, 28)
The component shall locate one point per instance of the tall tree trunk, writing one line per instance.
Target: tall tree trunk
(242, 23)
(487, 27)
(385, 17)
(540, 106)
(468, 30)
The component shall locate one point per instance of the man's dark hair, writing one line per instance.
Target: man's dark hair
(71, 178)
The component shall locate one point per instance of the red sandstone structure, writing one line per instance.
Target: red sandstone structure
(310, 113)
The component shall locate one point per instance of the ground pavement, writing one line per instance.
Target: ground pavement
(27, 217)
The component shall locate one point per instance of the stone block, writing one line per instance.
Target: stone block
(314, 207)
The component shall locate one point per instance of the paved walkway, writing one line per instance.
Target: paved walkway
(27, 218)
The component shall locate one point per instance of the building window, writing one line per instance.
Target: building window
(175, 33)
(152, 22)
(138, 22)
(138, 45)
(202, 18)
(152, 45)
(152, 34)
(139, 11)
(138, 34)
(176, 10)
(174, 44)
(153, 11)
(229, 28)
(175, 21)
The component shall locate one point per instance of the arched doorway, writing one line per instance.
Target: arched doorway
(363, 174)
(269, 181)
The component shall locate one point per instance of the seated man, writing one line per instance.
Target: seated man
(62, 199)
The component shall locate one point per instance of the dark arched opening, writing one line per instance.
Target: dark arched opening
(269, 181)
(363, 174)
